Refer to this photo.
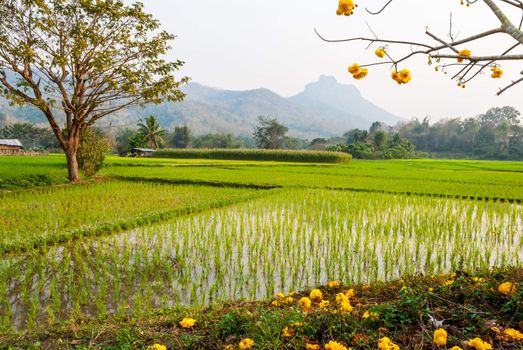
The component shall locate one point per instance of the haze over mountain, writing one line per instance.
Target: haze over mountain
(324, 108)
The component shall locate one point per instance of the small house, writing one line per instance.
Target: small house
(142, 152)
(11, 147)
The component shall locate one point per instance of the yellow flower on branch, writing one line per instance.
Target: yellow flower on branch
(354, 68)
(440, 337)
(401, 77)
(346, 7)
(496, 72)
(380, 52)
(361, 74)
(464, 53)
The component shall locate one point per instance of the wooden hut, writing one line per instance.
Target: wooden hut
(11, 147)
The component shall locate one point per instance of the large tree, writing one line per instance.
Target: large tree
(449, 55)
(269, 134)
(79, 61)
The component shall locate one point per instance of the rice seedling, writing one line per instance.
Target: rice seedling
(289, 241)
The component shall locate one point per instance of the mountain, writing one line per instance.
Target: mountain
(324, 108)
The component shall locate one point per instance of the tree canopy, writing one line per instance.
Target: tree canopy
(79, 61)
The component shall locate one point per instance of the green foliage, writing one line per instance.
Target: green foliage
(31, 136)
(151, 131)
(496, 134)
(91, 152)
(220, 141)
(269, 133)
(257, 155)
(181, 137)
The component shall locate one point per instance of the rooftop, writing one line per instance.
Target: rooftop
(12, 142)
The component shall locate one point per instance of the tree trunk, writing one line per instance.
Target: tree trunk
(72, 163)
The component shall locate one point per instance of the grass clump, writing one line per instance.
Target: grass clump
(257, 155)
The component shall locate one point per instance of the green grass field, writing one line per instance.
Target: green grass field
(158, 234)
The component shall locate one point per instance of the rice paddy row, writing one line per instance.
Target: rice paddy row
(288, 241)
(49, 215)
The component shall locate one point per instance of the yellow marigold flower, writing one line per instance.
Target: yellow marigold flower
(479, 344)
(373, 315)
(496, 72)
(296, 324)
(289, 300)
(334, 284)
(455, 348)
(507, 288)
(275, 303)
(430, 289)
(324, 304)
(334, 345)
(312, 346)
(440, 337)
(380, 52)
(366, 286)
(187, 322)
(280, 295)
(345, 306)
(287, 332)
(513, 334)
(316, 295)
(386, 344)
(346, 7)
(305, 303)
(354, 68)
(246, 343)
(229, 347)
(464, 53)
(341, 297)
(350, 293)
(157, 347)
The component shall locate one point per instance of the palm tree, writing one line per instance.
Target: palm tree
(151, 131)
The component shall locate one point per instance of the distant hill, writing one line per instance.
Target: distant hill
(324, 108)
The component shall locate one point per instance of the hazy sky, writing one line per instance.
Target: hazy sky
(241, 44)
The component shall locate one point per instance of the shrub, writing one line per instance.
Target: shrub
(257, 155)
(91, 151)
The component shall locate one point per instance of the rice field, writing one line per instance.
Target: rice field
(288, 240)
(55, 214)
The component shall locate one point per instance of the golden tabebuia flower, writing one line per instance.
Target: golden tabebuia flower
(354, 68)
(333, 345)
(187, 322)
(346, 7)
(380, 52)
(479, 344)
(464, 53)
(246, 343)
(496, 72)
(440, 337)
(507, 288)
(401, 77)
